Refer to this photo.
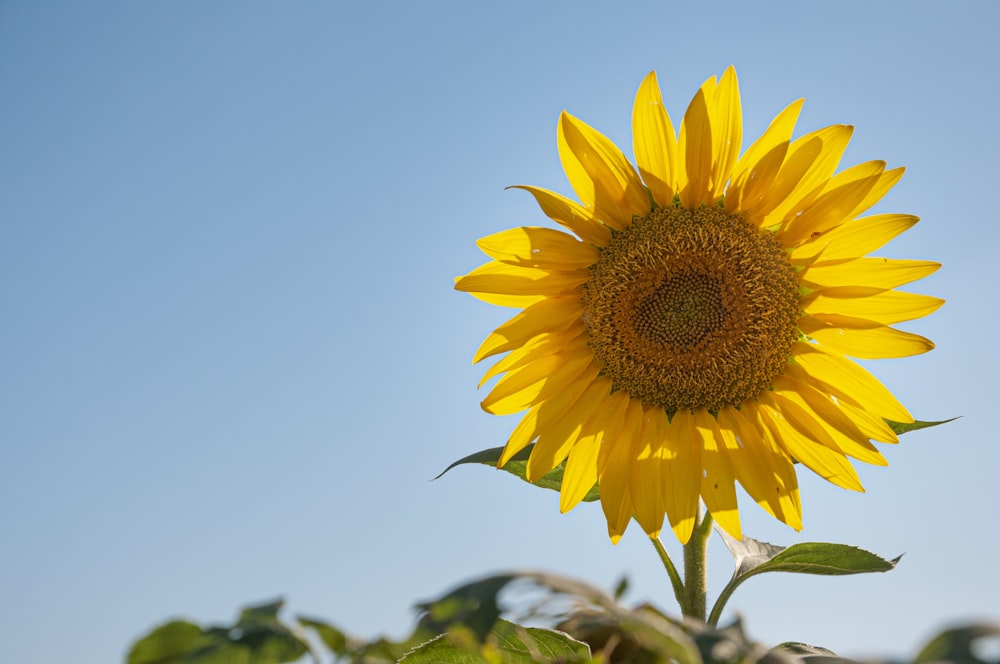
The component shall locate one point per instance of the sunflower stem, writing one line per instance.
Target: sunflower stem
(696, 570)
(675, 578)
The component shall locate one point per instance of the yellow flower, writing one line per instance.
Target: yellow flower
(696, 330)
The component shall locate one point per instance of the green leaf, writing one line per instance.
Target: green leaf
(905, 427)
(753, 557)
(756, 557)
(507, 642)
(826, 559)
(956, 645)
(518, 466)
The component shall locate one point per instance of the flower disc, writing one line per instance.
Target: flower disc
(692, 309)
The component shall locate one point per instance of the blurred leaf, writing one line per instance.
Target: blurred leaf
(508, 643)
(473, 604)
(621, 588)
(728, 644)
(956, 644)
(904, 427)
(167, 643)
(518, 466)
(795, 648)
(268, 639)
(334, 639)
(258, 637)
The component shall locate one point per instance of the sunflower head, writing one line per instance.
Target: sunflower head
(696, 328)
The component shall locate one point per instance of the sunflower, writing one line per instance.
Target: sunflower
(695, 329)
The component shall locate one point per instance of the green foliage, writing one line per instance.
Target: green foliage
(585, 626)
(257, 637)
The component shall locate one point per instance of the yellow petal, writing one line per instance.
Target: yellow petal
(543, 248)
(504, 299)
(832, 207)
(543, 344)
(871, 425)
(854, 239)
(843, 432)
(614, 480)
(613, 419)
(718, 481)
(541, 417)
(694, 149)
(845, 379)
(523, 388)
(861, 338)
(503, 279)
(582, 464)
(764, 470)
(570, 214)
(810, 162)
(797, 432)
(870, 272)
(648, 478)
(756, 185)
(553, 314)
(886, 182)
(600, 174)
(881, 306)
(757, 168)
(555, 441)
(727, 131)
(682, 462)
(581, 471)
(654, 141)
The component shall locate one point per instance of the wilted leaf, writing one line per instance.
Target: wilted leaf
(749, 553)
(518, 466)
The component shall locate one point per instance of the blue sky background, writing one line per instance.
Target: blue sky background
(231, 358)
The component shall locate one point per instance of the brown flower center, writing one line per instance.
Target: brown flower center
(692, 309)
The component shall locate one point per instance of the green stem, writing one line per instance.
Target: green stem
(675, 578)
(720, 604)
(696, 569)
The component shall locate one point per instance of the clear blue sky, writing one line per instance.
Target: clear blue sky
(231, 358)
